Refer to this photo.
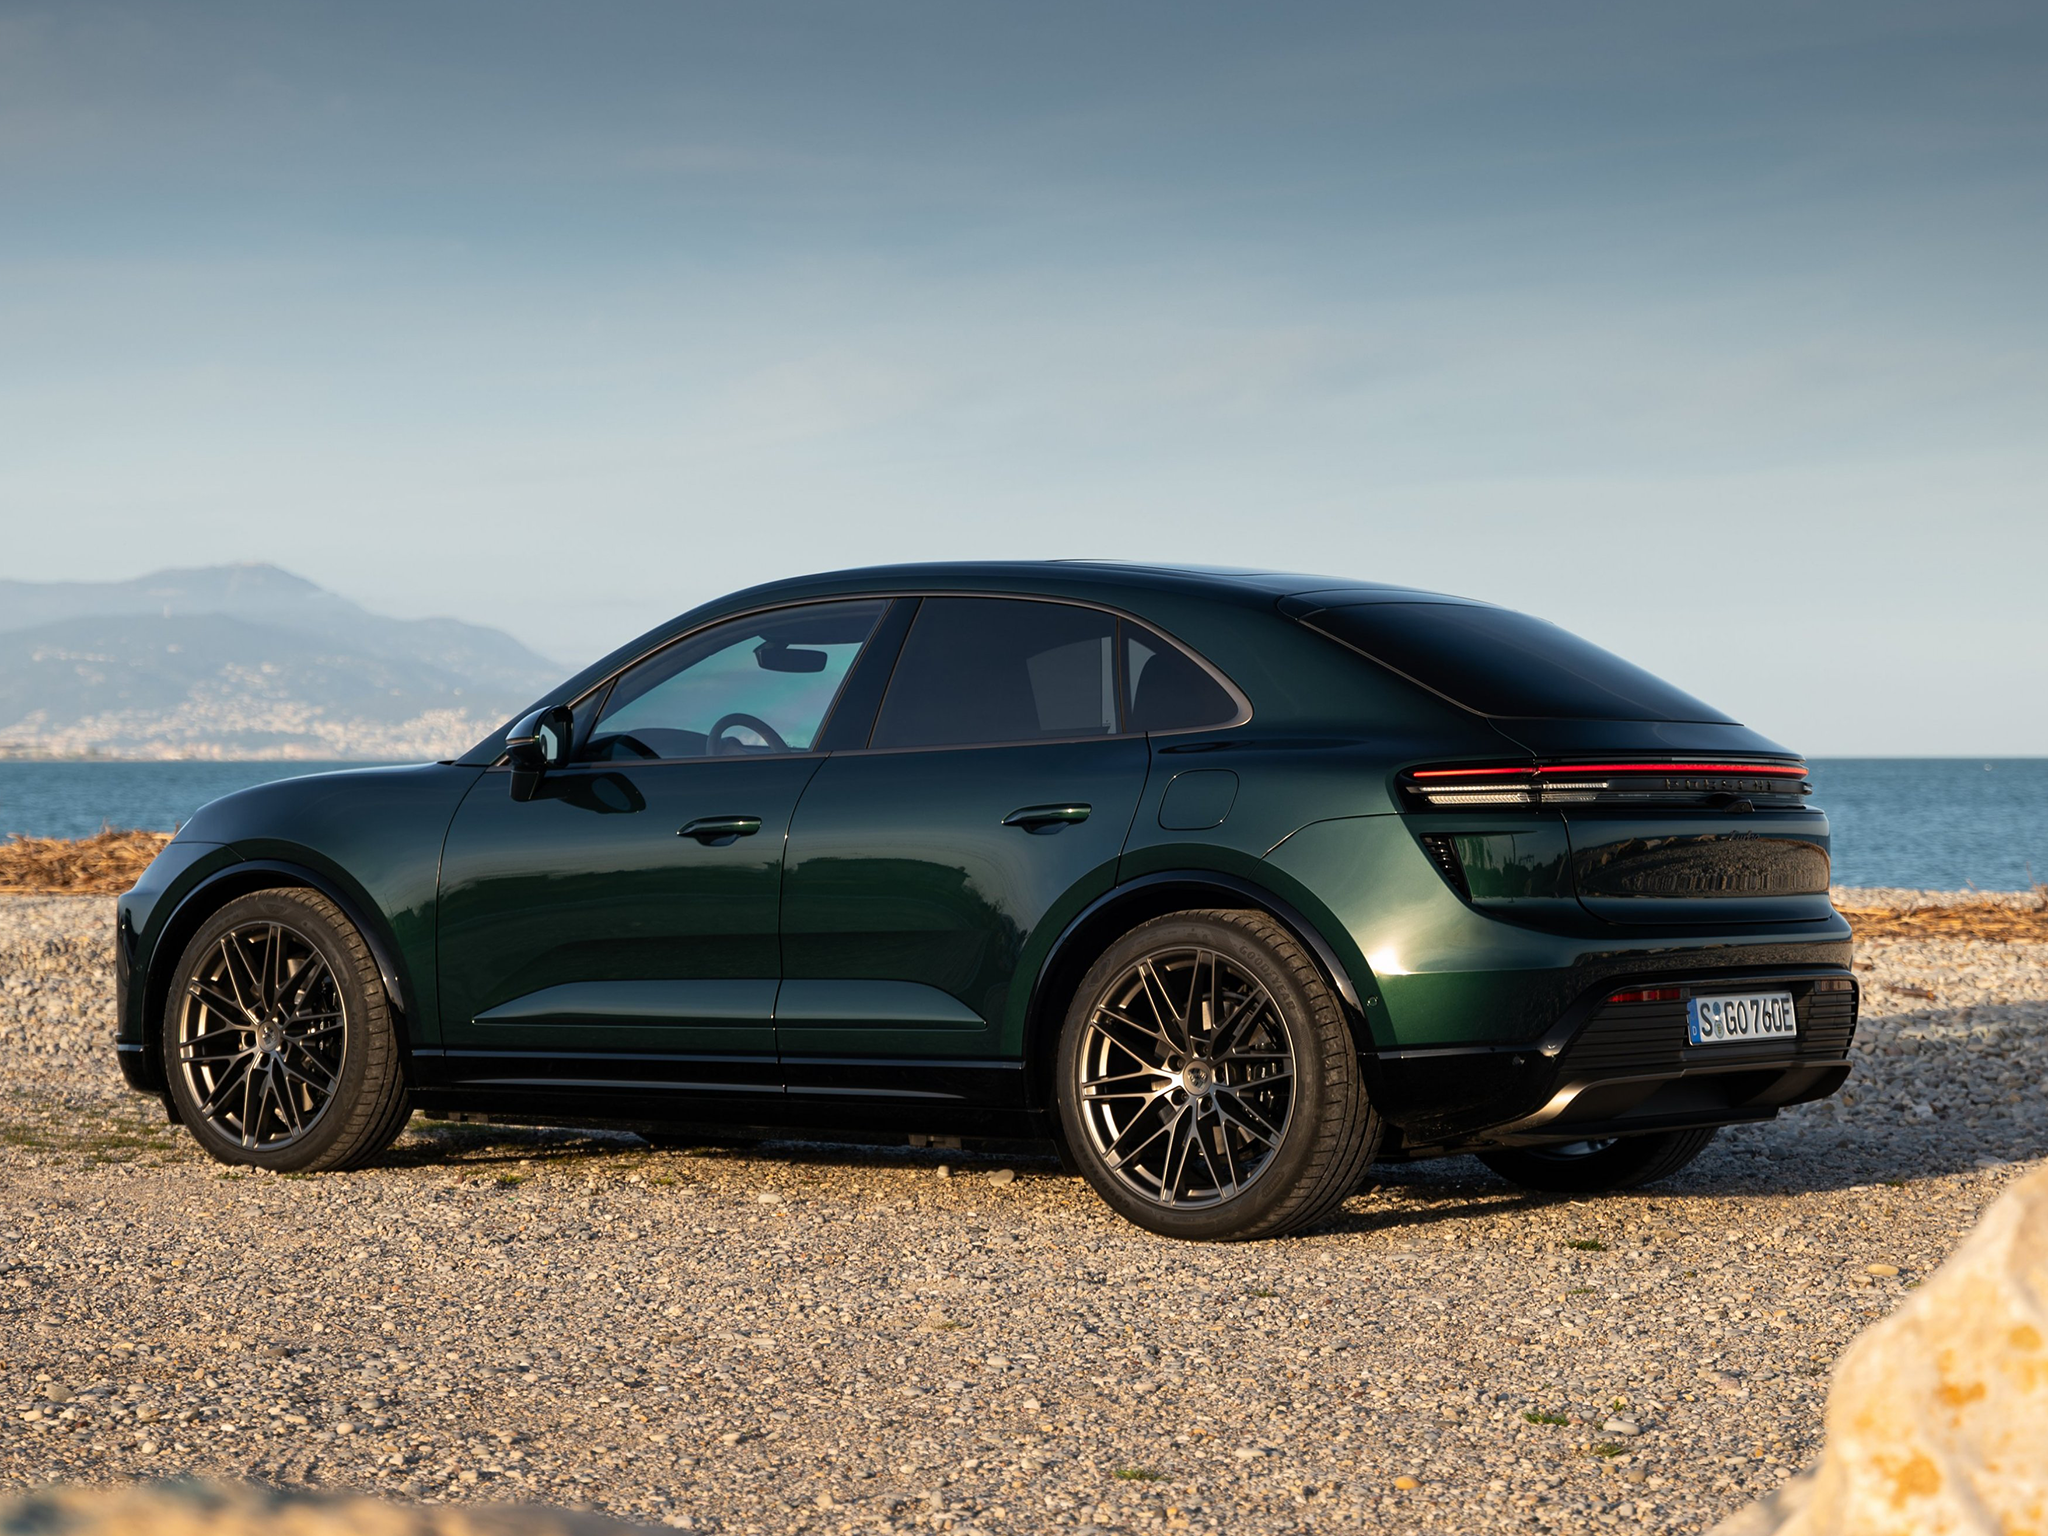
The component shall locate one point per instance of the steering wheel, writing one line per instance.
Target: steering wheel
(753, 723)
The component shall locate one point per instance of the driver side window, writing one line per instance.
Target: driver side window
(752, 686)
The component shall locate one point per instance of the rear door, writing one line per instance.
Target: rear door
(618, 930)
(925, 868)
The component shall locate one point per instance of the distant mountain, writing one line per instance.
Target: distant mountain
(244, 661)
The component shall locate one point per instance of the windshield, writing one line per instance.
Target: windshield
(1498, 662)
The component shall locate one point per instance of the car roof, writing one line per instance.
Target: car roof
(1073, 577)
(1113, 583)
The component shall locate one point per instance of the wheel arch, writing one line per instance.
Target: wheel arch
(215, 892)
(1106, 919)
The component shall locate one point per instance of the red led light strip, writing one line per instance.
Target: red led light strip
(1737, 769)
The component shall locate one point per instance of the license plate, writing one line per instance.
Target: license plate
(1736, 1020)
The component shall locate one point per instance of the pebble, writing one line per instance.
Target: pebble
(632, 1329)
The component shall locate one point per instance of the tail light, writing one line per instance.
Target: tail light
(1650, 782)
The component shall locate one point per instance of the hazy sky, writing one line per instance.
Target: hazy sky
(1716, 333)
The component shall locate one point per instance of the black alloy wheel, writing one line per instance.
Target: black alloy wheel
(1594, 1167)
(278, 1039)
(1209, 1083)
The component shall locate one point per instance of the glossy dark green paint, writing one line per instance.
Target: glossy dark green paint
(369, 837)
(1451, 974)
(901, 868)
(884, 922)
(590, 884)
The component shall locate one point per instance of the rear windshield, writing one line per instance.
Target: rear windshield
(1499, 662)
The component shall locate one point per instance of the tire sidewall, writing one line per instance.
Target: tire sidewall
(359, 1006)
(1276, 1182)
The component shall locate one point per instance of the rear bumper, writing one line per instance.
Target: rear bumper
(1615, 1069)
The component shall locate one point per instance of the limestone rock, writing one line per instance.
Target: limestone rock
(220, 1509)
(1935, 1421)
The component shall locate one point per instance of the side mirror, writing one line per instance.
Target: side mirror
(537, 743)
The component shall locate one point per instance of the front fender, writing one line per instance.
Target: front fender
(146, 989)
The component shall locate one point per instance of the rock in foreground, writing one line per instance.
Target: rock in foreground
(222, 1509)
(1935, 1421)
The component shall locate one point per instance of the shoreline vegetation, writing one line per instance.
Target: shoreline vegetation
(105, 864)
(111, 860)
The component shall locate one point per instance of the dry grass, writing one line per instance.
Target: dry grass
(2000, 920)
(104, 864)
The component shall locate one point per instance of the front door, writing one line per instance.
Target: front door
(990, 804)
(617, 932)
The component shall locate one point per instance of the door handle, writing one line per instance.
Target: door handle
(717, 831)
(1046, 818)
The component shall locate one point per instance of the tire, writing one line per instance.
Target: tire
(278, 1040)
(1267, 1135)
(1594, 1167)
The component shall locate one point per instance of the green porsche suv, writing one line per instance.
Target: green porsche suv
(1225, 883)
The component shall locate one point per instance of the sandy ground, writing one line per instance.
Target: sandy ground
(835, 1340)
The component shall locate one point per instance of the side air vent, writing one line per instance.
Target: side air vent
(1443, 852)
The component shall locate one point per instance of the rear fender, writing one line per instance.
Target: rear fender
(1106, 919)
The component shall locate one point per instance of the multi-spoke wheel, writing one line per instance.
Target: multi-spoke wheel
(277, 1038)
(1593, 1167)
(1209, 1085)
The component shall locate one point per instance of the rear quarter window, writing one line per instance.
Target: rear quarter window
(1495, 661)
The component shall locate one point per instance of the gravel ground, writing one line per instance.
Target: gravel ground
(807, 1338)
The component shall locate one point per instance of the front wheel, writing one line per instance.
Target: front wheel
(1209, 1085)
(1596, 1167)
(278, 1039)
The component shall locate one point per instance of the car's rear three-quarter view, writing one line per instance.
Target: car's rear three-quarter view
(1227, 884)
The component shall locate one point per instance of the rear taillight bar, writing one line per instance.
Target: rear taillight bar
(1564, 783)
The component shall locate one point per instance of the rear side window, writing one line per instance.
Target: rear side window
(1498, 662)
(984, 670)
(1164, 689)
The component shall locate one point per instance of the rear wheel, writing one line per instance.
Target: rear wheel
(278, 1039)
(1593, 1167)
(1209, 1084)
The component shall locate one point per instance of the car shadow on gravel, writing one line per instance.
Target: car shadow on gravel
(479, 1145)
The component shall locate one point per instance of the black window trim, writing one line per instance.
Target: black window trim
(890, 595)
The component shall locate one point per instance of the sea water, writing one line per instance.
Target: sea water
(1933, 823)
